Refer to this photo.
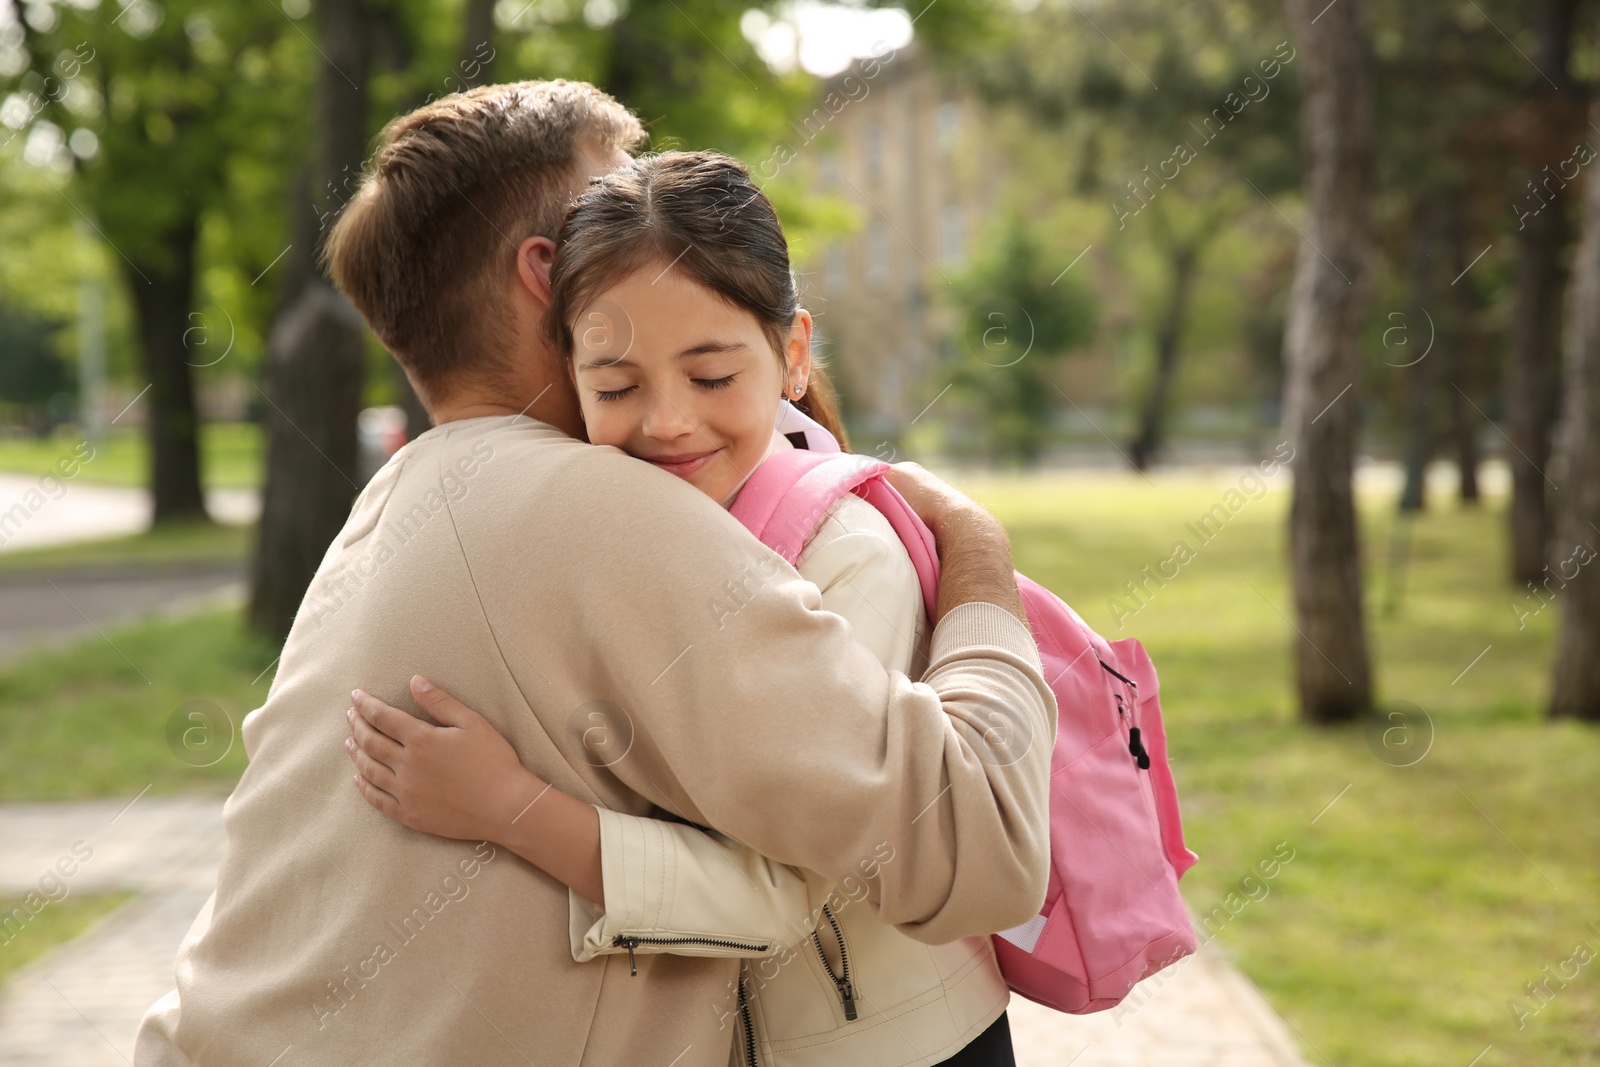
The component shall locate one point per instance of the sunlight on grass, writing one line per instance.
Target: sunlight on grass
(178, 543)
(107, 716)
(230, 457)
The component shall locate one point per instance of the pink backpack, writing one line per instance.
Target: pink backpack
(1112, 914)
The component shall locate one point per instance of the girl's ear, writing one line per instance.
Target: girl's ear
(797, 359)
(534, 257)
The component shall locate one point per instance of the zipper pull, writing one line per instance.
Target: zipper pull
(847, 994)
(629, 943)
(1136, 747)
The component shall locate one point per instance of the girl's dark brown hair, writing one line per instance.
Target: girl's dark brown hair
(700, 212)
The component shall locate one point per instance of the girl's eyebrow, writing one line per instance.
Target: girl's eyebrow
(702, 349)
(706, 347)
(601, 363)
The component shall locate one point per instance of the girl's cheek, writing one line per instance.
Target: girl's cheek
(605, 427)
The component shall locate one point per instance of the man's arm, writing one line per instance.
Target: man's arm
(974, 551)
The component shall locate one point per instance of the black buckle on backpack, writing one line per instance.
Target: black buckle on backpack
(1136, 747)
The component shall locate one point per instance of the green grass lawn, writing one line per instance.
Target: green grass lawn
(157, 703)
(1416, 906)
(230, 457)
(55, 924)
(171, 544)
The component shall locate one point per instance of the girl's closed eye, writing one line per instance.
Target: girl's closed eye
(613, 394)
(715, 383)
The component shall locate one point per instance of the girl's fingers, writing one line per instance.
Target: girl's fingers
(380, 746)
(378, 798)
(390, 721)
(445, 709)
(371, 769)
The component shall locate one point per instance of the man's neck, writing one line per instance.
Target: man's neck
(475, 410)
(468, 407)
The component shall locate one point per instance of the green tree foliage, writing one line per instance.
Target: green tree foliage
(1176, 125)
(1017, 320)
(138, 113)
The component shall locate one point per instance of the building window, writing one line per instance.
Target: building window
(835, 269)
(947, 123)
(951, 234)
(878, 254)
(872, 149)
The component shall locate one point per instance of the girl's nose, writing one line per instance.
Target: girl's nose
(665, 419)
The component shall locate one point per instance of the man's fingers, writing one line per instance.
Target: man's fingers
(390, 721)
(373, 771)
(380, 746)
(445, 709)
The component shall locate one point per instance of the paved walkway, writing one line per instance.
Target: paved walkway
(87, 511)
(80, 1006)
(47, 607)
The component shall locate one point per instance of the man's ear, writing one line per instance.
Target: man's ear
(534, 257)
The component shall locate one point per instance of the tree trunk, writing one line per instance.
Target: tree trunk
(1465, 344)
(1322, 357)
(316, 358)
(1421, 380)
(162, 300)
(1576, 691)
(316, 350)
(1531, 398)
(1143, 448)
(475, 65)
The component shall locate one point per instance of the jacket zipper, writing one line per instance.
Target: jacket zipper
(744, 1016)
(841, 981)
(630, 943)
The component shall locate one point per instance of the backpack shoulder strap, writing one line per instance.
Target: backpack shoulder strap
(786, 498)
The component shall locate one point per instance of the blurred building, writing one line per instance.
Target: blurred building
(907, 151)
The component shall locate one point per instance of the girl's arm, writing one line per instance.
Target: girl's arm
(463, 780)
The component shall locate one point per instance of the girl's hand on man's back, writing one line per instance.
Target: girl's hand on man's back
(461, 779)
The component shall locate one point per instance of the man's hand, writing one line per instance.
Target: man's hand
(936, 502)
(974, 551)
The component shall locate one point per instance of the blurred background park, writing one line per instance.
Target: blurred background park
(1270, 328)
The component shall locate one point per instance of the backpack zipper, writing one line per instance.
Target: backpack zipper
(630, 943)
(841, 981)
(1136, 748)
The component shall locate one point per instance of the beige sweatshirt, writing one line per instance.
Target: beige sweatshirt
(638, 648)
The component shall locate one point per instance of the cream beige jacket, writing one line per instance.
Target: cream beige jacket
(641, 650)
(839, 987)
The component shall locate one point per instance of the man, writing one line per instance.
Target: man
(581, 599)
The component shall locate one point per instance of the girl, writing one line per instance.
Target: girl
(673, 297)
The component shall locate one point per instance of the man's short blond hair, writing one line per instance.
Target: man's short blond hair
(424, 247)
